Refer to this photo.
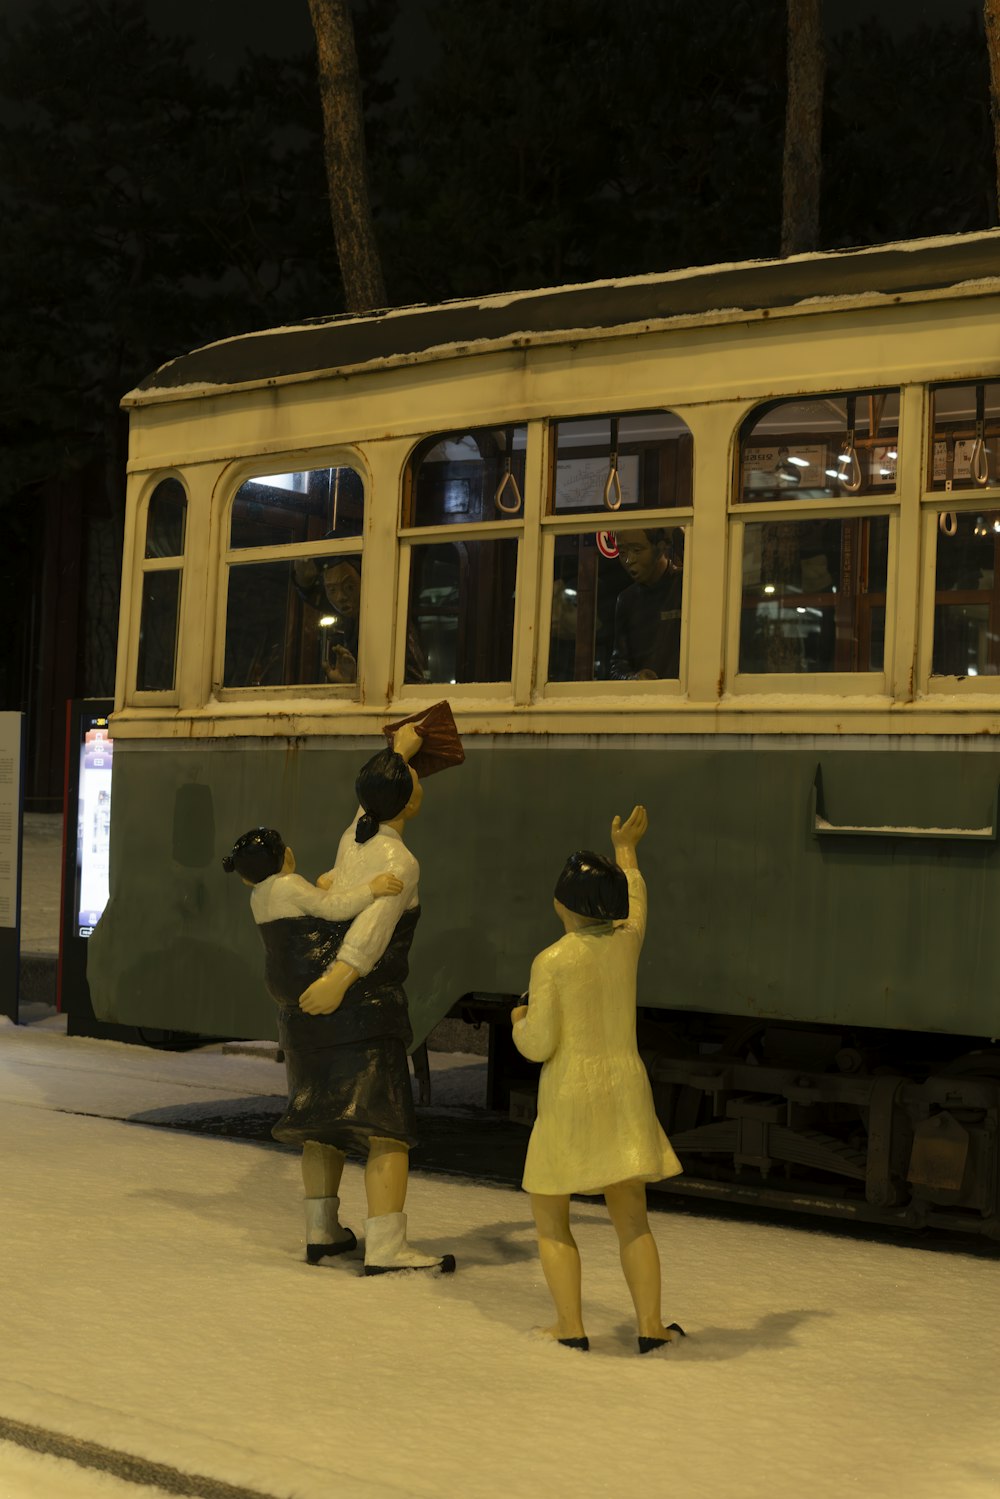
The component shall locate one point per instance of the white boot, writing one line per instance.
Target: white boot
(386, 1248)
(325, 1235)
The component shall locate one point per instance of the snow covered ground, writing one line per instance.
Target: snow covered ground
(153, 1300)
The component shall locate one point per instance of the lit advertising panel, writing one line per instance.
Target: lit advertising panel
(93, 830)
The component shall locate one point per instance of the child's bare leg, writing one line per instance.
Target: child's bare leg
(387, 1173)
(560, 1262)
(322, 1168)
(640, 1258)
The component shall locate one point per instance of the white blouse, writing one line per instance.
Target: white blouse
(384, 853)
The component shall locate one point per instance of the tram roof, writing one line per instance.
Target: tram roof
(829, 280)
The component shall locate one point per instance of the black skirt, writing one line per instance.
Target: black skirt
(347, 1095)
(348, 1077)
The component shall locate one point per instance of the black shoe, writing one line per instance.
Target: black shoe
(317, 1252)
(582, 1343)
(648, 1345)
(444, 1266)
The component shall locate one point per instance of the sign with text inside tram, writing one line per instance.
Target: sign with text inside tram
(782, 468)
(93, 829)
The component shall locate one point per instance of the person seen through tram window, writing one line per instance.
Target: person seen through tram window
(333, 586)
(647, 635)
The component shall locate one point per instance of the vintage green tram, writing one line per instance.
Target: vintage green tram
(333, 523)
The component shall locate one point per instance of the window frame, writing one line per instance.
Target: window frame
(740, 513)
(230, 483)
(932, 506)
(553, 525)
(516, 528)
(160, 697)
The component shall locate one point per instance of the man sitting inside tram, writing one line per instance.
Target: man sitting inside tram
(647, 639)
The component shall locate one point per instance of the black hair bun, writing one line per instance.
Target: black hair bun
(367, 827)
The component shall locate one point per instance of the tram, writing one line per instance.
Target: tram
(724, 541)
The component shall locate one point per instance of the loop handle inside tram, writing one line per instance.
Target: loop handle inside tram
(613, 483)
(508, 480)
(852, 478)
(948, 520)
(979, 461)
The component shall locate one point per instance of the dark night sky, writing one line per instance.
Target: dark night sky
(222, 29)
(283, 25)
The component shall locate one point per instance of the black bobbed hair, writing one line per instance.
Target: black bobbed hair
(592, 886)
(384, 787)
(256, 855)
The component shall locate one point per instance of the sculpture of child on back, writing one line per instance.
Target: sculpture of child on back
(596, 1131)
(343, 1021)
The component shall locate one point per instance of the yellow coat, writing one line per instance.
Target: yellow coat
(596, 1122)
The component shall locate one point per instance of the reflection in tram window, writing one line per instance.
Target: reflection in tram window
(282, 509)
(165, 520)
(821, 447)
(617, 618)
(465, 477)
(966, 603)
(639, 460)
(462, 610)
(814, 595)
(965, 422)
(158, 631)
(285, 627)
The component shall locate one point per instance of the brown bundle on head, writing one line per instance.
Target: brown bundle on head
(441, 747)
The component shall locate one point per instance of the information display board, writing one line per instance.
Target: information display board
(86, 847)
(93, 826)
(11, 817)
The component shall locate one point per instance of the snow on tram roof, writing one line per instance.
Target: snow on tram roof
(409, 335)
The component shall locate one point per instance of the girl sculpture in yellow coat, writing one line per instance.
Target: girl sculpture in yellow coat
(596, 1132)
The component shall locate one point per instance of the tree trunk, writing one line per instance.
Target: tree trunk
(344, 145)
(803, 127)
(991, 17)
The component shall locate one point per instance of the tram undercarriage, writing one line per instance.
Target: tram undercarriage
(815, 1121)
(896, 1128)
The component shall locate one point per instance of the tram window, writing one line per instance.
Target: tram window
(461, 625)
(285, 509)
(293, 622)
(643, 458)
(814, 595)
(165, 520)
(460, 478)
(821, 447)
(966, 600)
(617, 616)
(161, 591)
(965, 447)
(159, 606)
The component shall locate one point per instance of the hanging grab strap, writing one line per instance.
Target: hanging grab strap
(948, 520)
(851, 477)
(613, 483)
(507, 480)
(979, 460)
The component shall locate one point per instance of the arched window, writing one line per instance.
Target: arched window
(293, 586)
(815, 487)
(162, 570)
